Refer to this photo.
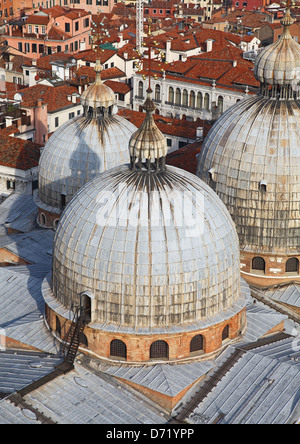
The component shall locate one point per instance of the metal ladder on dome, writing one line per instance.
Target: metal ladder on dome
(72, 341)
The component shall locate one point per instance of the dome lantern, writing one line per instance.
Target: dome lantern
(148, 143)
(277, 67)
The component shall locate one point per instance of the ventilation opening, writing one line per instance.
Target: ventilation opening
(159, 350)
(292, 266)
(197, 344)
(259, 265)
(118, 349)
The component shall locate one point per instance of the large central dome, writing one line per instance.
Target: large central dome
(146, 263)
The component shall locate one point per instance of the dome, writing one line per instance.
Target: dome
(251, 158)
(147, 261)
(77, 152)
(82, 148)
(279, 63)
(98, 95)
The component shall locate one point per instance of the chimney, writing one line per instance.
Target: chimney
(8, 121)
(234, 63)
(39, 103)
(199, 132)
(33, 62)
(209, 45)
(125, 55)
(168, 51)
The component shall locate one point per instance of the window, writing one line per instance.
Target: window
(86, 23)
(199, 100)
(263, 186)
(169, 142)
(67, 27)
(42, 219)
(192, 99)
(178, 97)
(118, 349)
(56, 122)
(220, 104)
(71, 116)
(292, 265)
(171, 95)
(29, 29)
(259, 264)
(43, 30)
(57, 326)
(63, 201)
(141, 89)
(196, 344)
(76, 26)
(34, 47)
(20, 46)
(36, 29)
(86, 307)
(10, 185)
(206, 101)
(159, 350)
(225, 333)
(185, 98)
(157, 92)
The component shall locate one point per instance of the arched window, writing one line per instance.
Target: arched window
(178, 97)
(192, 99)
(185, 98)
(199, 100)
(86, 307)
(220, 104)
(141, 89)
(57, 327)
(157, 92)
(206, 101)
(196, 343)
(118, 349)
(42, 219)
(83, 340)
(225, 333)
(171, 95)
(159, 350)
(259, 264)
(292, 265)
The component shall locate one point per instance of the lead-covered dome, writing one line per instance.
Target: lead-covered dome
(251, 158)
(279, 63)
(82, 148)
(154, 251)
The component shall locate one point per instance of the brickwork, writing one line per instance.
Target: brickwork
(47, 219)
(274, 273)
(138, 346)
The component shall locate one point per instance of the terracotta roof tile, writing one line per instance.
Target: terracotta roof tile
(18, 153)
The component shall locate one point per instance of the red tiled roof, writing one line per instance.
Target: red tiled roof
(118, 87)
(18, 153)
(36, 19)
(55, 97)
(185, 157)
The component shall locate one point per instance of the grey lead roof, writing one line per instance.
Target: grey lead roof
(82, 397)
(261, 388)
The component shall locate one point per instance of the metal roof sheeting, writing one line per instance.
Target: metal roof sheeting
(261, 388)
